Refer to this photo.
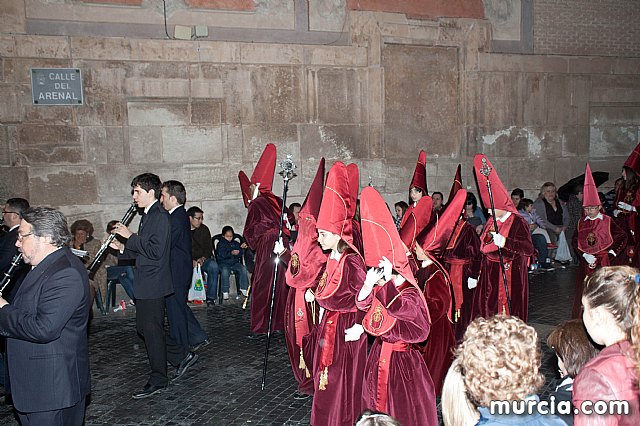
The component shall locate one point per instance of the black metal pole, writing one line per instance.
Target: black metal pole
(485, 168)
(287, 174)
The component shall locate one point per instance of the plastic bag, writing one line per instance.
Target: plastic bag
(563, 254)
(196, 291)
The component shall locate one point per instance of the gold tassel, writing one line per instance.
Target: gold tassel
(324, 379)
(303, 366)
(504, 310)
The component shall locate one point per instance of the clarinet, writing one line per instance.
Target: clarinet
(8, 275)
(126, 219)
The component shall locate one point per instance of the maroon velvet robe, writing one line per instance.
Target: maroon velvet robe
(462, 261)
(516, 253)
(629, 222)
(437, 351)
(261, 232)
(340, 403)
(595, 237)
(306, 266)
(410, 394)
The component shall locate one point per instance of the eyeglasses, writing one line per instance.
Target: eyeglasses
(23, 236)
(8, 212)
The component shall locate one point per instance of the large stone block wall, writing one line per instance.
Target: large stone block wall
(200, 110)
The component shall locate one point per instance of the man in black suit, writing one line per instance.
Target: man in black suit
(151, 249)
(46, 325)
(11, 212)
(184, 328)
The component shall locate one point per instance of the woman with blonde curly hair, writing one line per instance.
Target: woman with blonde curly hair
(500, 361)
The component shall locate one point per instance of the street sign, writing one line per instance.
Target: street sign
(56, 86)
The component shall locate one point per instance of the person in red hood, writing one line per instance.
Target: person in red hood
(341, 350)
(306, 266)
(512, 239)
(418, 187)
(626, 208)
(598, 240)
(396, 379)
(261, 232)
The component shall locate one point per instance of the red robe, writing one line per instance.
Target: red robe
(489, 297)
(409, 394)
(630, 224)
(437, 351)
(261, 232)
(306, 266)
(338, 366)
(462, 261)
(595, 237)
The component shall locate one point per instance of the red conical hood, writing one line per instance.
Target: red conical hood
(457, 184)
(435, 237)
(245, 187)
(265, 169)
(417, 219)
(633, 162)
(335, 210)
(501, 198)
(314, 196)
(590, 191)
(354, 186)
(380, 236)
(419, 179)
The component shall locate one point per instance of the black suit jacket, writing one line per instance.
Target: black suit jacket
(8, 249)
(181, 263)
(46, 326)
(151, 248)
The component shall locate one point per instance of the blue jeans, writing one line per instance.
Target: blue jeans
(123, 275)
(211, 268)
(242, 278)
(540, 244)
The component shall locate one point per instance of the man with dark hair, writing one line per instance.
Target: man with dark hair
(11, 215)
(202, 252)
(516, 196)
(184, 328)
(151, 248)
(437, 198)
(46, 325)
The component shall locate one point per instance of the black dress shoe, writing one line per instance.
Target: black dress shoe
(185, 364)
(147, 391)
(300, 395)
(201, 345)
(254, 336)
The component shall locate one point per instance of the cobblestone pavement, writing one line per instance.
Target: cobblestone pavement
(223, 388)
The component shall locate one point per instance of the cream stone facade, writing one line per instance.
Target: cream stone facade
(366, 86)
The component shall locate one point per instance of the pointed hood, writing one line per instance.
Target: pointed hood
(501, 198)
(354, 185)
(633, 162)
(245, 187)
(380, 235)
(457, 184)
(265, 169)
(417, 219)
(312, 203)
(591, 197)
(335, 211)
(435, 237)
(419, 179)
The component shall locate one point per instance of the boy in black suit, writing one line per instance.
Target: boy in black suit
(151, 248)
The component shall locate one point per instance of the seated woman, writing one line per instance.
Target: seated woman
(229, 253)
(553, 212)
(474, 214)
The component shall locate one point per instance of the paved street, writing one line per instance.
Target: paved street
(224, 386)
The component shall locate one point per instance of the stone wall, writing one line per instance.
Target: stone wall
(587, 27)
(370, 87)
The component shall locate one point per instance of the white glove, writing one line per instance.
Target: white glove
(399, 280)
(373, 276)
(472, 283)
(309, 296)
(287, 224)
(386, 266)
(613, 253)
(625, 206)
(320, 314)
(591, 259)
(278, 247)
(498, 239)
(616, 213)
(353, 334)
